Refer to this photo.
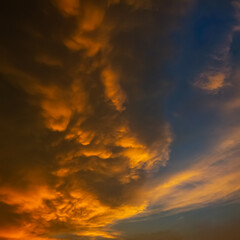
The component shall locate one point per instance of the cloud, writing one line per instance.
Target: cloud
(212, 178)
(113, 90)
(215, 76)
(81, 128)
(68, 7)
(217, 73)
(220, 73)
(211, 81)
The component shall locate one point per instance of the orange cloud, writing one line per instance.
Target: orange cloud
(68, 7)
(113, 89)
(211, 81)
(91, 34)
(76, 155)
(93, 17)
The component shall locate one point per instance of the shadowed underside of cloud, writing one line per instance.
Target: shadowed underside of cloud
(82, 126)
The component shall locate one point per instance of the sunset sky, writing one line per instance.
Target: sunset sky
(120, 119)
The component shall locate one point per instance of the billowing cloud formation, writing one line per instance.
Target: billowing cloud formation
(82, 126)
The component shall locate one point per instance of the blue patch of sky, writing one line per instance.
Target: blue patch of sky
(193, 123)
(215, 214)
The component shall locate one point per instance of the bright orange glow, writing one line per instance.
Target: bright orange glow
(113, 89)
(93, 17)
(68, 7)
(211, 81)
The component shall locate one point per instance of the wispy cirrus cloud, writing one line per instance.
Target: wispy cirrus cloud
(212, 178)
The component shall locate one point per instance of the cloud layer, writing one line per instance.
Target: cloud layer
(81, 127)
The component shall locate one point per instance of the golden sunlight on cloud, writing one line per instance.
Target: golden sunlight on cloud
(58, 104)
(113, 89)
(20, 233)
(81, 141)
(68, 7)
(91, 34)
(212, 82)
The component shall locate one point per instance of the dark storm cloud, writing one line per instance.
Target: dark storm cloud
(82, 125)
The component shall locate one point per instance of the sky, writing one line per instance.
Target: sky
(120, 119)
